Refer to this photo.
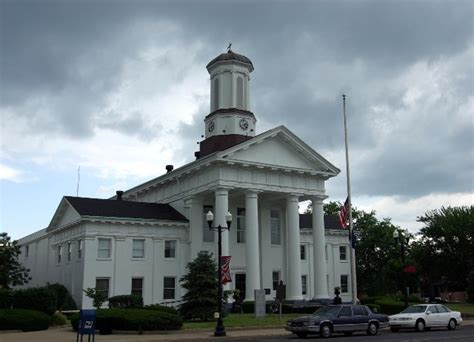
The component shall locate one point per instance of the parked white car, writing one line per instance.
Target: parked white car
(425, 316)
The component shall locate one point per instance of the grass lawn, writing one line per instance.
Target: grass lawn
(463, 308)
(242, 320)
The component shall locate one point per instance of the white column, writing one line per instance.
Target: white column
(252, 246)
(222, 207)
(319, 255)
(195, 225)
(294, 291)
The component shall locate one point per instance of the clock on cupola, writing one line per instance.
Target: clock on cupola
(229, 122)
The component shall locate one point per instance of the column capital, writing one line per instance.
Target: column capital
(319, 199)
(188, 201)
(252, 192)
(293, 196)
(222, 190)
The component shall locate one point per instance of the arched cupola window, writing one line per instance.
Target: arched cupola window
(240, 92)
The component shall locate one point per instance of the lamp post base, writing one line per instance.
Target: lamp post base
(220, 330)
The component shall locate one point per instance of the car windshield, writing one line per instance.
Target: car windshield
(327, 311)
(415, 309)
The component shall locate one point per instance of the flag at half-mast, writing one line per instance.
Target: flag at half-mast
(344, 214)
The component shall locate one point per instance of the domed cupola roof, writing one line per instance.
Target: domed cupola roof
(231, 56)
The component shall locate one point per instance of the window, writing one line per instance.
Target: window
(304, 284)
(27, 251)
(303, 252)
(69, 251)
(275, 227)
(137, 286)
(170, 249)
(79, 249)
(102, 286)
(240, 225)
(207, 234)
(359, 311)
(275, 279)
(345, 311)
(169, 287)
(104, 250)
(60, 253)
(342, 253)
(433, 309)
(344, 284)
(138, 248)
(240, 92)
(442, 309)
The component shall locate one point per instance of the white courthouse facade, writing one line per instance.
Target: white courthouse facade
(141, 240)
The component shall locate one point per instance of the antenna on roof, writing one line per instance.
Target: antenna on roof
(78, 180)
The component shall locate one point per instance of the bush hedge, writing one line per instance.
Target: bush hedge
(249, 307)
(6, 299)
(36, 298)
(25, 320)
(64, 300)
(58, 319)
(126, 302)
(133, 320)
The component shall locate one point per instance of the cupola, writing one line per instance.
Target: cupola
(230, 121)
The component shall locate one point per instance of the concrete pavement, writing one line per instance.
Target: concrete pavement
(64, 334)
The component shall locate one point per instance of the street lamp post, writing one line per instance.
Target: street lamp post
(403, 242)
(220, 330)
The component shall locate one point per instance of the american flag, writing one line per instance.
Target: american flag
(225, 270)
(344, 214)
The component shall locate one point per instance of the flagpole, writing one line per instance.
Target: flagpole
(351, 236)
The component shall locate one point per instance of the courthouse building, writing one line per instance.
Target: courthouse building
(140, 240)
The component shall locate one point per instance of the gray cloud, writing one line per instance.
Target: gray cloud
(71, 56)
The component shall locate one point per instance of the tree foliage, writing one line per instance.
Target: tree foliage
(201, 285)
(12, 273)
(98, 297)
(445, 250)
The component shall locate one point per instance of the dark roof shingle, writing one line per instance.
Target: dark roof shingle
(124, 209)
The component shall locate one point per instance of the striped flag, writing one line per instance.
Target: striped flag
(225, 270)
(344, 214)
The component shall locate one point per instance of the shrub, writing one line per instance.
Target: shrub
(36, 298)
(25, 320)
(374, 308)
(390, 306)
(470, 287)
(126, 302)
(6, 299)
(58, 319)
(161, 308)
(133, 319)
(64, 298)
(248, 306)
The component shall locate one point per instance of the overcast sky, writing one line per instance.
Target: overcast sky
(120, 89)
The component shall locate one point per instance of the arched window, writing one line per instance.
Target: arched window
(215, 103)
(240, 92)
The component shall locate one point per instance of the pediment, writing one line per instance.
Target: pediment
(279, 148)
(65, 214)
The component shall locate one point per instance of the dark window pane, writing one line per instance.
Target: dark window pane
(345, 311)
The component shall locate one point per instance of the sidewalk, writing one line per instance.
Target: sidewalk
(66, 334)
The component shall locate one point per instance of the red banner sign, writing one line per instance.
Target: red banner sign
(225, 270)
(410, 269)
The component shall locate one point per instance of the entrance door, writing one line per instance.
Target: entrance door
(240, 284)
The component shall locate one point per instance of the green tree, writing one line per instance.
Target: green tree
(330, 208)
(98, 297)
(470, 287)
(445, 250)
(201, 285)
(12, 273)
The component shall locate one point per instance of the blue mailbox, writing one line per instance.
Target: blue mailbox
(87, 319)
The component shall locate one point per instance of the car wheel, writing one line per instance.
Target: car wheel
(420, 325)
(325, 330)
(394, 329)
(452, 324)
(372, 329)
(301, 334)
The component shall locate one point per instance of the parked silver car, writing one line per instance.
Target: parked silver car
(425, 316)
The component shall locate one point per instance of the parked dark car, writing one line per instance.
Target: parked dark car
(338, 319)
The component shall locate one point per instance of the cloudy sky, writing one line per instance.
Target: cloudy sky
(120, 89)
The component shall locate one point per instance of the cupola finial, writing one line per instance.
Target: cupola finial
(229, 48)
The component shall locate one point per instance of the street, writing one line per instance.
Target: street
(461, 334)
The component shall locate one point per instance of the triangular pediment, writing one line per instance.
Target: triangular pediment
(279, 148)
(65, 214)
